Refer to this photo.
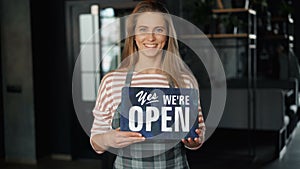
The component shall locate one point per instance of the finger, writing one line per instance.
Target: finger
(184, 141)
(130, 140)
(125, 144)
(135, 141)
(187, 141)
(198, 131)
(130, 134)
(122, 145)
(139, 140)
(191, 141)
(200, 118)
(197, 140)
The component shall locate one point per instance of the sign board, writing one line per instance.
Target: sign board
(160, 113)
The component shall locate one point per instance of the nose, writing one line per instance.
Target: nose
(151, 36)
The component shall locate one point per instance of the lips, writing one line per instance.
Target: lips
(150, 45)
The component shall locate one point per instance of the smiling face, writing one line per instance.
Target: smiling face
(150, 34)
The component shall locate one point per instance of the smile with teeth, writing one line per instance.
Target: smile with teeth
(150, 45)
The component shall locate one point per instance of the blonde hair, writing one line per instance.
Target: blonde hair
(172, 64)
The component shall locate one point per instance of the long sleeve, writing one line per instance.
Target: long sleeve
(101, 112)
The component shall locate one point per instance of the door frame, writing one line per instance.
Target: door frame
(2, 150)
(73, 9)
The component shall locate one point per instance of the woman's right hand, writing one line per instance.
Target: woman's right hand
(117, 139)
(120, 139)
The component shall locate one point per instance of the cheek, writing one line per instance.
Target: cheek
(138, 40)
(163, 40)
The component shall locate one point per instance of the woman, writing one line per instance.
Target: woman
(151, 55)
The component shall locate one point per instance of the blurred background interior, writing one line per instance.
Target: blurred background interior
(256, 40)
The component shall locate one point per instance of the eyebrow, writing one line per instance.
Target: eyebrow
(143, 26)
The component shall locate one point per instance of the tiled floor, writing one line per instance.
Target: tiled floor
(291, 160)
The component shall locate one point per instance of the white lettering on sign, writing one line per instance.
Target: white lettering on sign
(152, 115)
(144, 96)
(179, 116)
(135, 110)
(174, 99)
(165, 118)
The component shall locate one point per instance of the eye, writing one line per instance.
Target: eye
(159, 30)
(142, 30)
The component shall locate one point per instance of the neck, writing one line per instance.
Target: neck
(150, 63)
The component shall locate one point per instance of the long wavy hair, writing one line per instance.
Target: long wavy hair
(172, 64)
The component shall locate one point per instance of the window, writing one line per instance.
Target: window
(100, 49)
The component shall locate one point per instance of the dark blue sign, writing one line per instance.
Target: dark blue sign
(160, 113)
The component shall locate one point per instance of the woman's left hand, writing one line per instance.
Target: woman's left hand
(193, 143)
(198, 141)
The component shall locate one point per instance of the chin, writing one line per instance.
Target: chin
(152, 52)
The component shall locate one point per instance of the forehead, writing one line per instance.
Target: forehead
(150, 19)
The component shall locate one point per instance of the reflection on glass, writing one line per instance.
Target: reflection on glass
(90, 55)
(88, 86)
(110, 39)
(100, 49)
(88, 27)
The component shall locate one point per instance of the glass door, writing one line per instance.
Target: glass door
(94, 49)
(99, 49)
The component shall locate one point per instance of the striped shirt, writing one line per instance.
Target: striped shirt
(109, 97)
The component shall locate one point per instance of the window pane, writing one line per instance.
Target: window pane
(88, 86)
(110, 32)
(97, 82)
(85, 26)
(110, 42)
(87, 57)
(110, 56)
(96, 29)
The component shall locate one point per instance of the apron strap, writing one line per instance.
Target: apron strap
(129, 76)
